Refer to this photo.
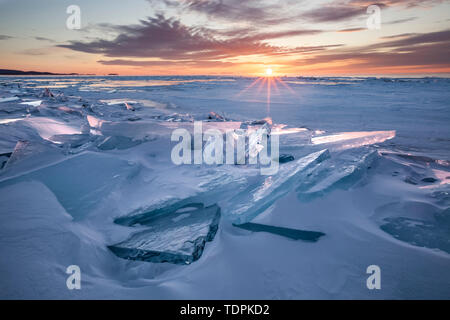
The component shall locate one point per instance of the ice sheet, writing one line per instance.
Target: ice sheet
(89, 174)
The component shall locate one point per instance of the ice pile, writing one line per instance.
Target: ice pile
(86, 178)
(110, 157)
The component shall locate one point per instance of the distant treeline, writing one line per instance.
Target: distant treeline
(33, 73)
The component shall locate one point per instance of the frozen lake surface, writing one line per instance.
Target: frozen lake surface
(86, 179)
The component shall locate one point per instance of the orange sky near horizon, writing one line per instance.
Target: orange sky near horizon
(207, 37)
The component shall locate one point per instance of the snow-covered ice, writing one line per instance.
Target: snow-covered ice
(86, 179)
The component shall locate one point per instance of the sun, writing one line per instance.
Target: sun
(268, 72)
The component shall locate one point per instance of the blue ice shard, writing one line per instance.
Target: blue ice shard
(255, 199)
(177, 237)
(295, 234)
(81, 181)
(118, 142)
(4, 157)
(341, 171)
(285, 158)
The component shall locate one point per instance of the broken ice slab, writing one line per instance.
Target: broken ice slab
(27, 156)
(80, 182)
(409, 158)
(429, 180)
(255, 199)
(285, 158)
(70, 140)
(343, 170)
(47, 93)
(148, 216)
(176, 117)
(5, 121)
(112, 102)
(35, 103)
(255, 140)
(47, 127)
(177, 237)
(4, 157)
(295, 234)
(214, 116)
(118, 142)
(22, 150)
(129, 107)
(348, 140)
(9, 99)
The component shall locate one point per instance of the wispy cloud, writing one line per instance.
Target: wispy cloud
(340, 10)
(44, 39)
(352, 29)
(169, 39)
(257, 12)
(177, 39)
(334, 13)
(401, 20)
(413, 50)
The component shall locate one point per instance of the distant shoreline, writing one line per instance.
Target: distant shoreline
(9, 72)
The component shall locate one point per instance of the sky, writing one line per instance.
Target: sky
(227, 37)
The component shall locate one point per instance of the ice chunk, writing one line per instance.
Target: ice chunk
(21, 150)
(112, 102)
(94, 122)
(80, 182)
(47, 127)
(6, 121)
(285, 158)
(216, 117)
(295, 234)
(246, 124)
(70, 110)
(412, 158)
(47, 93)
(4, 157)
(255, 140)
(129, 106)
(177, 117)
(71, 140)
(8, 99)
(347, 140)
(25, 149)
(255, 199)
(341, 171)
(177, 237)
(36, 103)
(118, 142)
(411, 180)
